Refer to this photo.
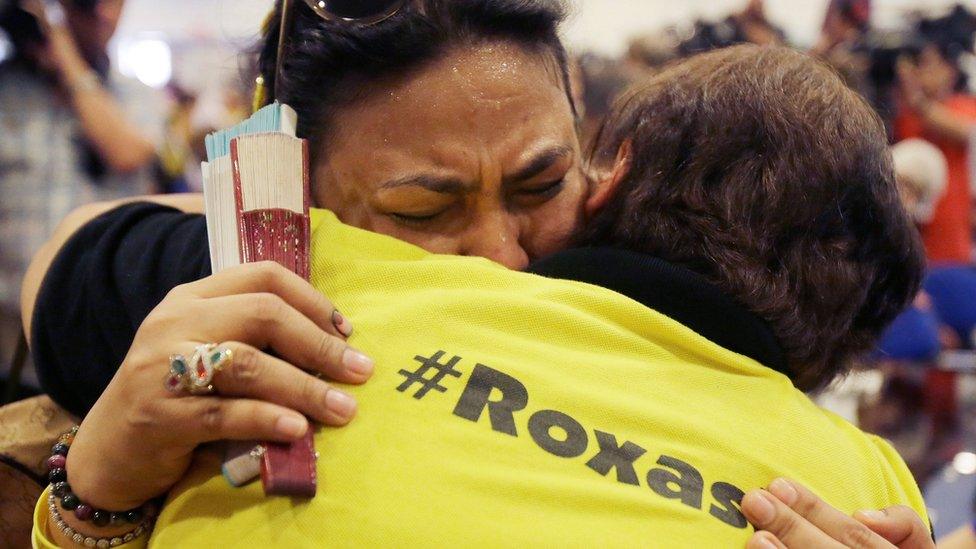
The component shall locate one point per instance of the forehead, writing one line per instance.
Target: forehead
(489, 99)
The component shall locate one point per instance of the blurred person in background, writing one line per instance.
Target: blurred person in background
(917, 336)
(935, 106)
(842, 44)
(749, 26)
(964, 537)
(753, 27)
(74, 132)
(893, 396)
(917, 408)
(650, 52)
(176, 156)
(922, 173)
(220, 106)
(598, 82)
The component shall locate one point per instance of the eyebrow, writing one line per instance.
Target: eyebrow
(540, 163)
(444, 185)
(450, 185)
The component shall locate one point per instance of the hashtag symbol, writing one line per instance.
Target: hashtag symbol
(420, 375)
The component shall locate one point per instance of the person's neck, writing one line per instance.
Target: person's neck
(675, 291)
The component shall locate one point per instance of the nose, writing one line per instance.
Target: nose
(497, 237)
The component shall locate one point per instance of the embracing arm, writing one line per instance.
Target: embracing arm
(187, 203)
(97, 279)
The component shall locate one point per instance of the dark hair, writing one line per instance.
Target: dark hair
(21, 28)
(951, 53)
(759, 169)
(856, 12)
(328, 65)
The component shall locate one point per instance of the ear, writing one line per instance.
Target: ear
(606, 183)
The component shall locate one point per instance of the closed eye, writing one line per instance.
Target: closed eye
(547, 190)
(412, 219)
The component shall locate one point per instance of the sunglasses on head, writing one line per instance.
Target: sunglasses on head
(351, 12)
(361, 12)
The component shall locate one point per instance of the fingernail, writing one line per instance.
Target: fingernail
(291, 426)
(762, 541)
(873, 514)
(357, 362)
(341, 323)
(786, 492)
(340, 404)
(760, 507)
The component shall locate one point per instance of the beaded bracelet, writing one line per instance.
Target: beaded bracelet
(142, 517)
(89, 541)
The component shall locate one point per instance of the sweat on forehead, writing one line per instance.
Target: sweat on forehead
(467, 87)
(327, 66)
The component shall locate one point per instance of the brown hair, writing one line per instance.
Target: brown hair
(759, 169)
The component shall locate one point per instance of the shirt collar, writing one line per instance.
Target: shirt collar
(674, 291)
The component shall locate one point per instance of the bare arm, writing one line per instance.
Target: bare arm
(117, 141)
(941, 121)
(936, 118)
(189, 203)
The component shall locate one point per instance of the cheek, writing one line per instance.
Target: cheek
(334, 191)
(352, 209)
(432, 242)
(553, 225)
(349, 210)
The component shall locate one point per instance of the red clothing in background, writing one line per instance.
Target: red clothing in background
(948, 238)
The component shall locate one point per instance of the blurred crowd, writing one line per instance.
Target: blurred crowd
(75, 131)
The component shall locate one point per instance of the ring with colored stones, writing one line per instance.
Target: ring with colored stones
(195, 375)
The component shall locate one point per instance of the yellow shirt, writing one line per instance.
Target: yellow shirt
(550, 413)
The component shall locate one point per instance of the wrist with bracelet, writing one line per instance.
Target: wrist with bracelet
(140, 519)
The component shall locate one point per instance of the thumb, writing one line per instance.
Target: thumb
(900, 525)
